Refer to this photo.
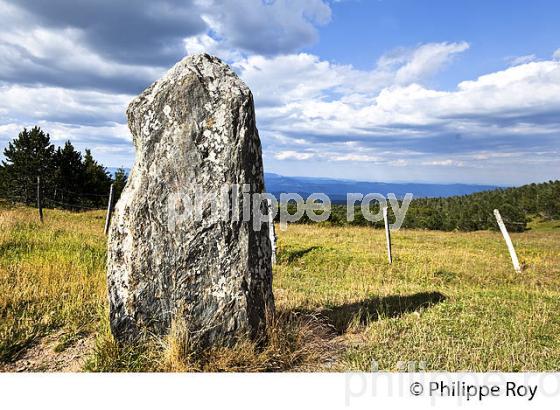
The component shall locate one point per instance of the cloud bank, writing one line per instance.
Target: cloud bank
(72, 67)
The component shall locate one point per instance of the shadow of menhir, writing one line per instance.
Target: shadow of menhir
(341, 317)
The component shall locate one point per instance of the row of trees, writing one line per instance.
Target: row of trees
(468, 212)
(475, 211)
(69, 179)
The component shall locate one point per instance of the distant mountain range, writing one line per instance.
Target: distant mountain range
(337, 189)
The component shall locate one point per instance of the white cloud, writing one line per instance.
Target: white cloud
(483, 156)
(58, 57)
(294, 77)
(289, 78)
(267, 27)
(522, 59)
(59, 104)
(150, 33)
(109, 45)
(556, 55)
(207, 44)
(300, 156)
(426, 60)
(301, 94)
(444, 163)
(341, 114)
(354, 157)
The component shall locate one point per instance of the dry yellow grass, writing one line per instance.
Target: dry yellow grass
(450, 300)
(51, 277)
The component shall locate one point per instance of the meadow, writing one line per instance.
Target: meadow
(450, 301)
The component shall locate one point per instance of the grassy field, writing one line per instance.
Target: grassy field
(450, 301)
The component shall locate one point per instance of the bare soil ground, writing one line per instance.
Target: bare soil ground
(49, 355)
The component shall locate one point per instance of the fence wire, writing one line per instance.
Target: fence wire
(83, 194)
(49, 202)
(68, 205)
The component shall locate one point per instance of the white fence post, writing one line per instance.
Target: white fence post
(271, 232)
(508, 241)
(387, 235)
(109, 210)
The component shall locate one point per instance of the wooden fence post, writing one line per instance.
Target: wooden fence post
(39, 203)
(508, 241)
(387, 235)
(271, 232)
(109, 210)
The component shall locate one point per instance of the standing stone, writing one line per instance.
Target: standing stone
(194, 129)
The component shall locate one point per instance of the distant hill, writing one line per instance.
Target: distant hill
(337, 189)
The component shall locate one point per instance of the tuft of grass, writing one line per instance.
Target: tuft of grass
(109, 356)
(293, 342)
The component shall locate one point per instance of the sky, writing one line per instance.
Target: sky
(376, 90)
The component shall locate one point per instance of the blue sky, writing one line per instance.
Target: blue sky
(390, 90)
(361, 31)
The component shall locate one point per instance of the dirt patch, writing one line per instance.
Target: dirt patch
(52, 354)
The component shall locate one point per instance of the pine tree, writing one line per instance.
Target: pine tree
(119, 183)
(69, 175)
(3, 182)
(96, 181)
(28, 156)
